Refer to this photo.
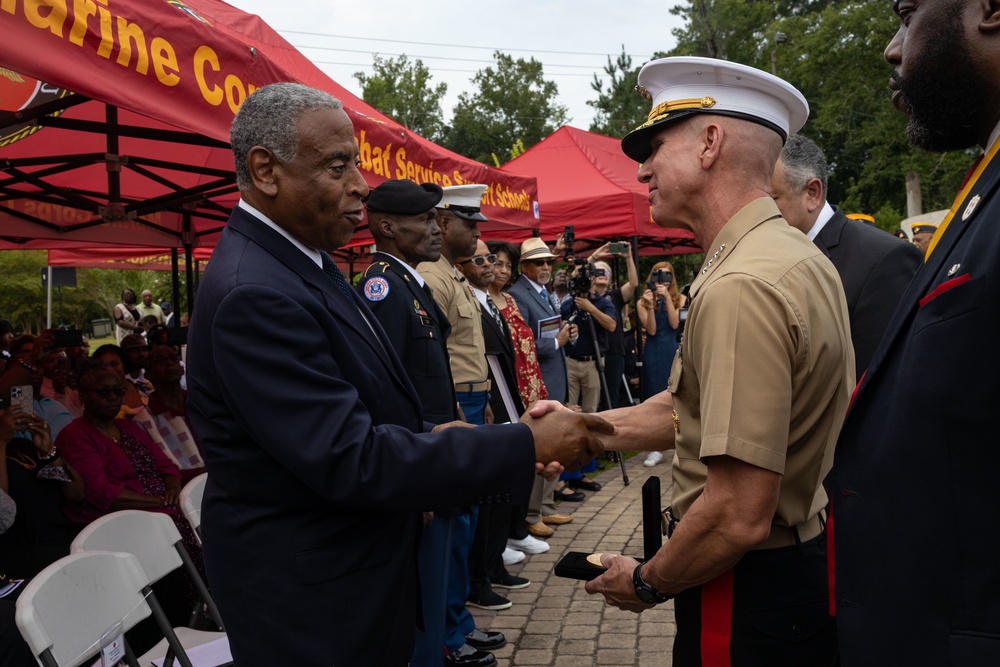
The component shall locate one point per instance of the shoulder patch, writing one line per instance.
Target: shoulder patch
(376, 288)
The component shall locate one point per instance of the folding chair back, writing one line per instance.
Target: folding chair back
(155, 541)
(191, 496)
(65, 610)
(149, 536)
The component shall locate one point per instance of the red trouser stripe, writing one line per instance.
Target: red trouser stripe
(717, 620)
(831, 572)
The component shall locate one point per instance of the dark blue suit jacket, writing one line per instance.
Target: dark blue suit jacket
(917, 469)
(317, 465)
(875, 268)
(551, 360)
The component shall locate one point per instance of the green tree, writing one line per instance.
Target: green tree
(510, 102)
(834, 57)
(832, 51)
(620, 109)
(23, 300)
(403, 91)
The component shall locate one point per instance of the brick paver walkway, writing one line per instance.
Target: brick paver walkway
(554, 622)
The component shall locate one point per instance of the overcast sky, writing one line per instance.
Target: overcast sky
(572, 39)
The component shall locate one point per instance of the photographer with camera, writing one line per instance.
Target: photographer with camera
(614, 360)
(581, 354)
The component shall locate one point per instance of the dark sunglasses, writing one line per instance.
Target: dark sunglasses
(480, 260)
(541, 262)
(107, 392)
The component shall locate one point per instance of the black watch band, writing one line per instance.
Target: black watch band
(644, 591)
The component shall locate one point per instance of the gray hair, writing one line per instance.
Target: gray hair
(269, 118)
(802, 160)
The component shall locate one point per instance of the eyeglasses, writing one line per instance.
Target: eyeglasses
(107, 392)
(480, 260)
(540, 262)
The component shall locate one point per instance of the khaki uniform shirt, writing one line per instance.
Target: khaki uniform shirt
(466, 345)
(765, 369)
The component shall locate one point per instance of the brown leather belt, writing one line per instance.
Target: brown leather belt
(463, 387)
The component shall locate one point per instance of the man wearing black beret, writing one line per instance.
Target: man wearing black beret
(403, 223)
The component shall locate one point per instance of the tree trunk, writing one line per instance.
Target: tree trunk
(914, 204)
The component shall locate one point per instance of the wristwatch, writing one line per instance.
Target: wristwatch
(644, 591)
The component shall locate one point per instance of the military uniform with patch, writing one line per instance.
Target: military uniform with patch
(418, 330)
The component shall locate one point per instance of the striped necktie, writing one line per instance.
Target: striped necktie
(336, 276)
(495, 311)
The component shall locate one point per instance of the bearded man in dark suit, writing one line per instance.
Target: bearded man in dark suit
(916, 539)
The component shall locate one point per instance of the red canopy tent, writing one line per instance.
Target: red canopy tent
(137, 153)
(586, 181)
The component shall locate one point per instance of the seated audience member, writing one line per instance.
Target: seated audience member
(122, 469)
(6, 336)
(157, 335)
(120, 466)
(148, 322)
(135, 349)
(112, 357)
(81, 351)
(165, 418)
(55, 414)
(160, 335)
(36, 478)
(56, 370)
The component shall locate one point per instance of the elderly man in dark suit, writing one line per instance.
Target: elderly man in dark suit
(318, 455)
(874, 266)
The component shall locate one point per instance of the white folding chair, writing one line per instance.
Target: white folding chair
(67, 608)
(153, 538)
(191, 496)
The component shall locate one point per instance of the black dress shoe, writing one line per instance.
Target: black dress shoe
(489, 600)
(569, 496)
(585, 484)
(510, 581)
(470, 657)
(484, 640)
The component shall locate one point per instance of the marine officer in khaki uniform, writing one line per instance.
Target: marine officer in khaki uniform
(759, 386)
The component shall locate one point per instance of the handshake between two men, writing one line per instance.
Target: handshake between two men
(564, 439)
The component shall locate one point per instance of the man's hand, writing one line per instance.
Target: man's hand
(583, 303)
(564, 334)
(455, 424)
(616, 584)
(567, 437)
